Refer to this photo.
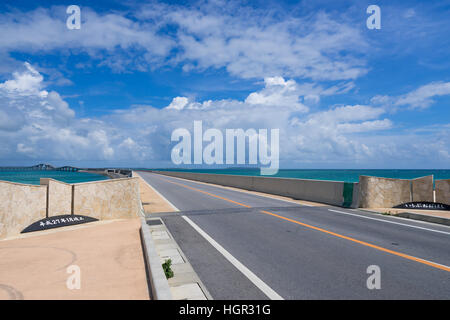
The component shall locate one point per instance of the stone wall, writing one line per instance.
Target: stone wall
(377, 192)
(422, 189)
(59, 197)
(443, 191)
(20, 205)
(108, 199)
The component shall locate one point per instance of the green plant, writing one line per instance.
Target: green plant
(167, 269)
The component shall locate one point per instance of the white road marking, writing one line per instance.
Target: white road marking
(387, 221)
(261, 285)
(268, 291)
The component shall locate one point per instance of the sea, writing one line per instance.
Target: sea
(32, 177)
(346, 175)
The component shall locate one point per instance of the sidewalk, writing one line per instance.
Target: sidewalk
(436, 216)
(152, 202)
(109, 254)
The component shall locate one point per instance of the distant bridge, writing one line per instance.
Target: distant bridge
(41, 167)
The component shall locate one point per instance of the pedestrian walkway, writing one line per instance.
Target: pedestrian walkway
(436, 216)
(152, 202)
(108, 253)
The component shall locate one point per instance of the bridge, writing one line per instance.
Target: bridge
(41, 167)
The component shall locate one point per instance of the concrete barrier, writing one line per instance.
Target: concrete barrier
(370, 192)
(443, 191)
(330, 192)
(20, 205)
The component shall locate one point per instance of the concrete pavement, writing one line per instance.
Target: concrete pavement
(303, 252)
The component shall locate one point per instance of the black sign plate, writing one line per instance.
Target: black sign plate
(58, 221)
(424, 206)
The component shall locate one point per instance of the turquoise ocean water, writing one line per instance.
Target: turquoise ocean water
(32, 177)
(335, 174)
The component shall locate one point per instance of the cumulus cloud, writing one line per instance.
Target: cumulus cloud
(178, 103)
(39, 124)
(326, 134)
(276, 93)
(26, 83)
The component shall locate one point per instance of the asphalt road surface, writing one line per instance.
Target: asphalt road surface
(262, 248)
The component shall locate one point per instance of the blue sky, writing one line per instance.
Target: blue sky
(111, 93)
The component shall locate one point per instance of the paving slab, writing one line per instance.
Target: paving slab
(172, 254)
(189, 291)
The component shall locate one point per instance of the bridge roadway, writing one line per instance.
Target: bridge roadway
(245, 246)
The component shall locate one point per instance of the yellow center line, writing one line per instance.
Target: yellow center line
(396, 253)
(209, 194)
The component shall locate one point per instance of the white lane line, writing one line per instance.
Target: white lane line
(393, 222)
(261, 285)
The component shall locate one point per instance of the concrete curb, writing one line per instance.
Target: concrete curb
(422, 217)
(184, 273)
(159, 285)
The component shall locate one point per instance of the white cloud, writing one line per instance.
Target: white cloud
(113, 39)
(25, 83)
(421, 98)
(250, 44)
(44, 127)
(277, 93)
(328, 134)
(365, 126)
(38, 123)
(247, 43)
(178, 103)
